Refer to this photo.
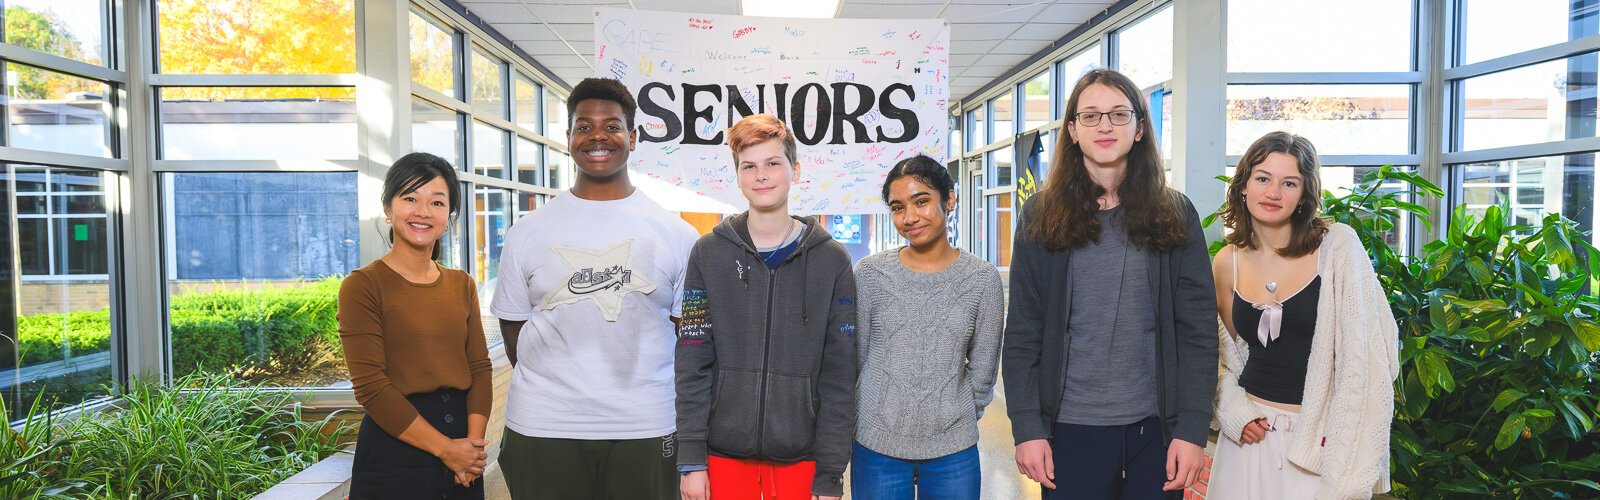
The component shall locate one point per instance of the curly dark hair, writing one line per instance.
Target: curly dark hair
(604, 89)
(1062, 214)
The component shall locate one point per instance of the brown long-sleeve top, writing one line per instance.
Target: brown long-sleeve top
(403, 338)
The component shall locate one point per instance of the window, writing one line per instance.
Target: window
(1036, 102)
(258, 123)
(1533, 187)
(433, 56)
(61, 222)
(73, 29)
(999, 219)
(63, 323)
(1311, 35)
(555, 116)
(976, 124)
(488, 93)
(489, 224)
(435, 130)
(1004, 115)
(56, 112)
(1339, 119)
(1487, 30)
(1000, 174)
(252, 263)
(557, 168)
(1544, 102)
(528, 155)
(1144, 50)
(255, 36)
(488, 150)
(525, 108)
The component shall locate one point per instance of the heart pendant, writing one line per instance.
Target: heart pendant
(1272, 287)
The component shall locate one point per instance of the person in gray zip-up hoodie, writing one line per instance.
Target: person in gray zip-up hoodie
(766, 355)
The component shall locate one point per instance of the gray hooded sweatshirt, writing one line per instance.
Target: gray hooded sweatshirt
(766, 358)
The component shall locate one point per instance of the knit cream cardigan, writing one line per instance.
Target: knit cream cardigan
(1343, 430)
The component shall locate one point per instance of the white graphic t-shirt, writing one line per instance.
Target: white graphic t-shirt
(597, 283)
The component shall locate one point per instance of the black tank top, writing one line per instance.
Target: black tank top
(1276, 372)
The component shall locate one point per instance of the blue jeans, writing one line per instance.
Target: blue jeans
(875, 476)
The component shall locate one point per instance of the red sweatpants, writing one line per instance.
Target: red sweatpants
(733, 479)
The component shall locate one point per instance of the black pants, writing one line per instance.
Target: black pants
(1118, 462)
(386, 467)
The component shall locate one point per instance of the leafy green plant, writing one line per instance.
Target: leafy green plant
(203, 437)
(1499, 340)
(27, 452)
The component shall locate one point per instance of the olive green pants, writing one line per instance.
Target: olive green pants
(563, 469)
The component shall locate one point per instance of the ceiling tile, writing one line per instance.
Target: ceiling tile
(1043, 31)
(890, 10)
(980, 31)
(1065, 12)
(1017, 13)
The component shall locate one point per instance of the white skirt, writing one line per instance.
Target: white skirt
(1261, 471)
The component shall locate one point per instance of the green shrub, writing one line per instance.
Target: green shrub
(214, 438)
(40, 337)
(255, 332)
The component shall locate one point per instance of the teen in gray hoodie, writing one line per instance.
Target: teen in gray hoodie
(766, 355)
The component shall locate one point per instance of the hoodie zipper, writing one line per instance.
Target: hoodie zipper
(766, 359)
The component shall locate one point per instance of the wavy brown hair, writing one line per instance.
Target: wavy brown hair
(1062, 214)
(1307, 226)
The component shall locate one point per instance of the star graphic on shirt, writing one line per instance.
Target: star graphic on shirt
(604, 276)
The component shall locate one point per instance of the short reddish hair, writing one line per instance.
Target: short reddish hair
(758, 128)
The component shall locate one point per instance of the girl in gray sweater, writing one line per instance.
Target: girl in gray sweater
(930, 319)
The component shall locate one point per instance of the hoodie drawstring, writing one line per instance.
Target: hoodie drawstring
(805, 268)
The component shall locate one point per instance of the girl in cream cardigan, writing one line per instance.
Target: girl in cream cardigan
(1309, 348)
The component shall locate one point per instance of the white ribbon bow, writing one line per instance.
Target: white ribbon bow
(1271, 322)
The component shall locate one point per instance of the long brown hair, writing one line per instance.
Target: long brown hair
(1062, 215)
(1307, 227)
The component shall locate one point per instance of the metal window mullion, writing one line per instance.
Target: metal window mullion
(1521, 151)
(58, 64)
(296, 80)
(311, 165)
(50, 158)
(1544, 54)
(1326, 78)
(439, 99)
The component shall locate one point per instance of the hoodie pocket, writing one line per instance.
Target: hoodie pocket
(791, 418)
(734, 411)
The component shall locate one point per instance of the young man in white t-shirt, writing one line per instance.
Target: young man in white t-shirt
(590, 289)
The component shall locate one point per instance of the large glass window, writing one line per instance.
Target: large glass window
(1544, 102)
(978, 127)
(488, 93)
(256, 36)
(1000, 167)
(50, 111)
(1004, 110)
(61, 222)
(73, 29)
(999, 218)
(253, 273)
(60, 309)
(489, 224)
(1036, 102)
(525, 104)
(435, 130)
(1533, 187)
(528, 155)
(254, 123)
(557, 166)
(1144, 50)
(1339, 119)
(1072, 69)
(1494, 28)
(1295, 35)
(433, 56)
(488, 150)
(555, 116)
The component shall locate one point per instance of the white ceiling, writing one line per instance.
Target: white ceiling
(987, 38)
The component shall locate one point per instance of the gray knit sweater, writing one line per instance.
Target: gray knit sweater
(929, 347)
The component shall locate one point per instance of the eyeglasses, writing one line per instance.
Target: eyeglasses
(1119, 117)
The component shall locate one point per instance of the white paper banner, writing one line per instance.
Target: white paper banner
(860, 95)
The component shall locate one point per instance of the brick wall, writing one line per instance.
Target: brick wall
(1198, 491)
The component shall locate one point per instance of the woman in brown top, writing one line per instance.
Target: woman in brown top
(414, 344)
